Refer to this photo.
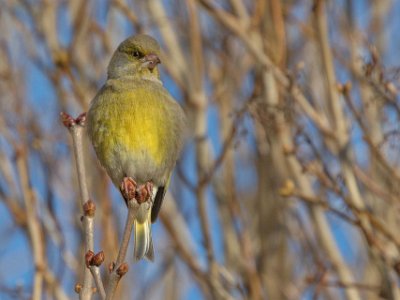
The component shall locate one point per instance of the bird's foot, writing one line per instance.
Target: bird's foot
(144, 192)
(128, 189)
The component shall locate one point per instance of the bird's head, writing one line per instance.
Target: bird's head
(136, 56)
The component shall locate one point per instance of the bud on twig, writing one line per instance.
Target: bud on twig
(67, 120)
(61, 58)
(70, 122)
(287, 189)
(88, 258)
(122, 269)
(111, 266)
(78, 288)
(98, 259)
(81, 119)
(347, 87)
(89, 208)
(288, 150)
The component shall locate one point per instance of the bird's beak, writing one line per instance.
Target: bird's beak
(150, 61)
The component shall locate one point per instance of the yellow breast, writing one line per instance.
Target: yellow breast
(132, 121)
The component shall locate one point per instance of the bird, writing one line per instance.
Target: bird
(137, 130)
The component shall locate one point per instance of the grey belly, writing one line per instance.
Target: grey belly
(139, 167)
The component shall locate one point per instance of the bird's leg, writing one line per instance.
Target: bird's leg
(128, 189)
(144, 192)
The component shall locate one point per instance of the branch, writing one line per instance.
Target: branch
(120, 268)
(76, 129)
(34, 226)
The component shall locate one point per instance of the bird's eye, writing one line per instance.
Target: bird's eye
(136, 53)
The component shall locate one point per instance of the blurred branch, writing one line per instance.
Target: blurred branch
(269, 123)
(34, 227)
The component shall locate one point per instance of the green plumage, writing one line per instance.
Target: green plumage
(136, 128)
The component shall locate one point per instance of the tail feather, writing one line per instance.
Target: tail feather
(150, 251)
(143, 240)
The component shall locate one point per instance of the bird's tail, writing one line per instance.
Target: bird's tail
(143, 240)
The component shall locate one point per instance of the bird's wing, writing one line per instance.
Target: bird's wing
(158, 200)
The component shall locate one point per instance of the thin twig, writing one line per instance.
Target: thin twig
(119, 264)
(97, 279)
(76, 129)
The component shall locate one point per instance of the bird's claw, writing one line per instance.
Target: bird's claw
(144, 192)
(128, 189)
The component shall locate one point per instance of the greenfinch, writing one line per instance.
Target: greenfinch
(137, 131)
